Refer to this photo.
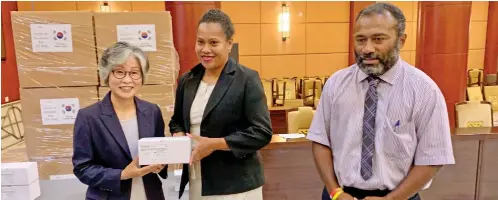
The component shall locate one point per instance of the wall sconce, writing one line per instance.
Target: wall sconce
(105, 7)
(284, 22)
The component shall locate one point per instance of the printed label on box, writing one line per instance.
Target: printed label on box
(62, 177)
(59, 111)
(51, 38)
(8, 192)
(143, 35)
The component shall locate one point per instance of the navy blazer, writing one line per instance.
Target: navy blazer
(101, 151)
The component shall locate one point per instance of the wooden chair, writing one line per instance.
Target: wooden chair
(300, 121)
(267, 87)
(490, 90)
(475, 77)
(474, 93)
(474, 114)
(281, 87)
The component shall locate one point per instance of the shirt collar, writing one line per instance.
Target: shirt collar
(389, 77)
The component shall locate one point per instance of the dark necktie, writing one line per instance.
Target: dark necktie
(368, 144)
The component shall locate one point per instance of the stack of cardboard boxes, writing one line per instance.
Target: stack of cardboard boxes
(57, 57)
(153, 33)
(20, 181)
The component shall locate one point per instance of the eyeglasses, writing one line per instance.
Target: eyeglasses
(120, 74)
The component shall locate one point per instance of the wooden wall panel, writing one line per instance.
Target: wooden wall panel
(323, 11)
(491, 53)
(477, 35)
(479, 12)
(413, 57)
(46, 5)
(271, 9)
(413, 37)
(410, 42)
(325, 64)
(407, 8)
(9, 77)
(439, 54)
(294, 65)
(148, 6)
(242, 11)
(253, 62)
(185, 16)
(116, 6)
(271, 40)
(406, 56)
(3, 47)
(327, 38)
(476, 59)
(415, 10)
(249, 38)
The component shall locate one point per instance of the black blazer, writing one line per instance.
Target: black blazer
(236, 111)
(101, 151)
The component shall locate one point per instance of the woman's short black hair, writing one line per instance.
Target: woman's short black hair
(218, 16)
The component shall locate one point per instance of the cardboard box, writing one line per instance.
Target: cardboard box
(164, 150)
(151, 31)
(48, 116)
(55, 48)
(56, 169)
(21, 192)
(162, 95)
(19, 173)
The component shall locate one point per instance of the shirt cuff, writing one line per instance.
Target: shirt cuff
(447, 160)
(318, 139)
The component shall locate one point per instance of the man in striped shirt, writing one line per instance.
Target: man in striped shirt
(381, 129)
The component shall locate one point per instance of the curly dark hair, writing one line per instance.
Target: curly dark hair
(218, 16)
(381, 8)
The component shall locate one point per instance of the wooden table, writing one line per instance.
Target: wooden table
(278, 116)
(290, 171)
(291, 174)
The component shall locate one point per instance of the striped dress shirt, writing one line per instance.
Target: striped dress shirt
(411, 126)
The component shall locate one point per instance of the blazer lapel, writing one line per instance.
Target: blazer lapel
(143, 119)
(191, 85)
(112, 124)
(224, 82)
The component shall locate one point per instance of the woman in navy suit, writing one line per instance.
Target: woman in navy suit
(106, 133)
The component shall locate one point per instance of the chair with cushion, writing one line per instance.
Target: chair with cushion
(281, 87)
(267, 87)
(300, 121)
(291, 99)
(475, 77)
(474, 114)
(474, 93)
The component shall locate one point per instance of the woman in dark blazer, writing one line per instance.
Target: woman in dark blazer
(106, 133)
(222, 106)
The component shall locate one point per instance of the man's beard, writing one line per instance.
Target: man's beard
(386, 61)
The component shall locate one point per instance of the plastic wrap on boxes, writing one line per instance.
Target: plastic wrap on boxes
(48, 117)
(151, 31)
(15, 153)
(58, 69)
(55, 48)
(162, 95)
